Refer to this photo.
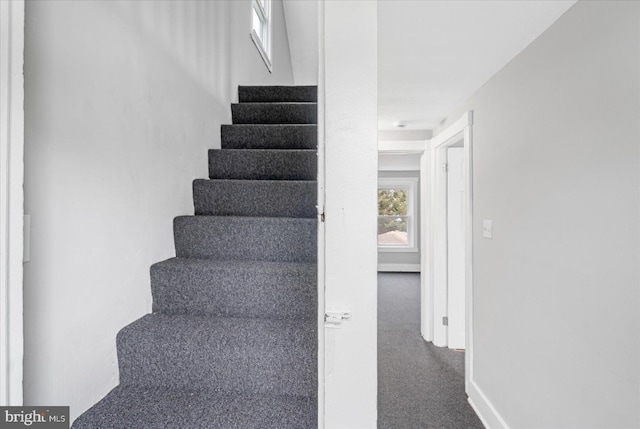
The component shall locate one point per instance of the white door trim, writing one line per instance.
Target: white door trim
(321, 225)
(11, 199)
(434, 260)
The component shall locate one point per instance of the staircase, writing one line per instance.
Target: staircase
(232, 340)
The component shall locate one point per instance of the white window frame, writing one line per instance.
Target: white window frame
(262, 8)
(411, 184)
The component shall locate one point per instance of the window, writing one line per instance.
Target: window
(261, 29)
(397, 223)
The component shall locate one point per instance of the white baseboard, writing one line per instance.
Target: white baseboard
(489, 416)
(408, 268)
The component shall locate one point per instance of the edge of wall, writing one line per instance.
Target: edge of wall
(485, 410)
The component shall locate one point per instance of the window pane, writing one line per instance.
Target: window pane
(392, 231)
(257, 25)
(392, 202)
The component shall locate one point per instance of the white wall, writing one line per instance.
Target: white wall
(123, 99)
(556, 167)
(302, 30)
(350, 100)
(246, 66)
(399, 162)
(399, 135)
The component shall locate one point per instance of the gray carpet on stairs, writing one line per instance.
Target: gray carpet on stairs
(246, 238)
(264, 198)
(232, 340)
(262, 94)
(158, 408)
(258, 289)
(269, 136)
(274, 113)
(263, 164)
(222, 353)
(420, 386)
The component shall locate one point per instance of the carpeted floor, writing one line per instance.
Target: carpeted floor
(420, 385)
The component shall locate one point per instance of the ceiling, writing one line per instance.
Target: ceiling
(433, 55)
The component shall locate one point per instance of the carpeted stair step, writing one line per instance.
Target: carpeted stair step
(252, 136)
(263, 198)
(235, 288)
(128, 407)
(222, 353)
(263, 164)
(271, 94)
(246, 238)
(274, 113)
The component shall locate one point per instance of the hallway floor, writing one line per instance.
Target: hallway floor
(420, 386)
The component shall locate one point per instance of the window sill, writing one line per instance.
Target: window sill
(398, 249)
(261, 50)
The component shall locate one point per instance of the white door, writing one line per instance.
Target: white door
(455, 249)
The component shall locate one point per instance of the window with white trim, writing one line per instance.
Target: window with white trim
(261, 29)
(397, 212)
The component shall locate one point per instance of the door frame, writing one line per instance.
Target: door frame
(11, 200)
(435, 234)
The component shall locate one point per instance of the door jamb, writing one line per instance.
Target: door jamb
(436, 148)
(11, 200)
(321, 224)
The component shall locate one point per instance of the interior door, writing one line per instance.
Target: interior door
(455, 249)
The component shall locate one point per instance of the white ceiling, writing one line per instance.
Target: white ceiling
(433, 55)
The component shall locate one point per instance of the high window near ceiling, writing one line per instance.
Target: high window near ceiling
(397, 229)
(261, 29)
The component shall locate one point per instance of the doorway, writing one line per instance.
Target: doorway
(447, 266)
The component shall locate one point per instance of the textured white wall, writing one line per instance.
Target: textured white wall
(350, 85)
(556, 167)
(123, 99)
(302, 31)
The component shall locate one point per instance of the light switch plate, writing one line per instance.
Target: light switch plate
(487, 228)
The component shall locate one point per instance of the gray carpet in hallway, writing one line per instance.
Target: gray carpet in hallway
(420, 386)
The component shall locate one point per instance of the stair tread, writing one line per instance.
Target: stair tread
(298, 332)
(263, 198)
(214, 265)
(274, 113)
(263, 164)
(283, 290)
(246, 238)
(142, 408)
(269, 136)
(277, 93)
(230, 354)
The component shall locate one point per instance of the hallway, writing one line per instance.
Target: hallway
(420, 386)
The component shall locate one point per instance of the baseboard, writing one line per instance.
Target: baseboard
(485, 410)
(409, 268)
